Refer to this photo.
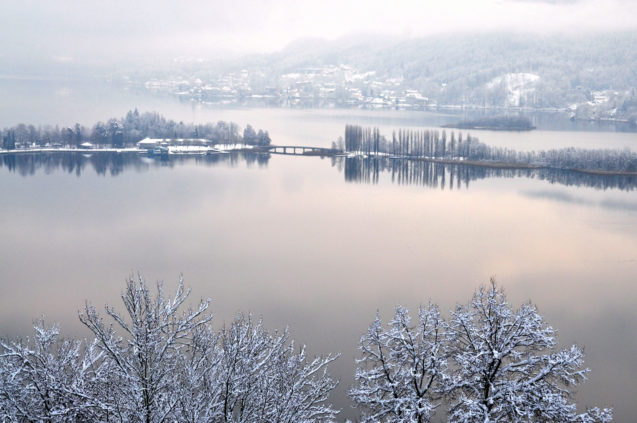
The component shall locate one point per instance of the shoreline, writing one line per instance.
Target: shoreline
(487, 128)
(475, 163)
(515, 166)
(188, 150)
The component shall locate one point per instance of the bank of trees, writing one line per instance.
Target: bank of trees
(126, 131)
(158, 361)
(410, 143)
(433, 144)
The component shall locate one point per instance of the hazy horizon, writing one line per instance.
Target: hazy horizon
(96, 33)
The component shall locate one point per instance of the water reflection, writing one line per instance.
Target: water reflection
(112, 163)
(456, 176)
(355, 169)
(299, 247)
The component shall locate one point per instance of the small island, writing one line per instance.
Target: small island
(495, 123)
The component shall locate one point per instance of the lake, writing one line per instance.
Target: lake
(300, 243)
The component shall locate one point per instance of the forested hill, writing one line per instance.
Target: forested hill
(597, 70)
(567, 65)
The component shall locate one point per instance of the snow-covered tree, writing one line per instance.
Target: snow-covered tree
(263, 379)
(147, 362)
(50, 379)
(249, 135)
(197, 386)
(507, 367)
(402, 366)
(167, 364)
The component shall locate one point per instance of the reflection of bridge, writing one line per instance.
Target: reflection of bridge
(296, 150)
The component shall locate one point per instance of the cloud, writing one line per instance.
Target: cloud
(546, 1)
(159, 28)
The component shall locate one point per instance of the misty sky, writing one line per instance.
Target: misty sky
(97, 30)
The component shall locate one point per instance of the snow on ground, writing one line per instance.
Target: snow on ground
(189, 149)
(518, 86)
(203, 149)
(227, 147)
(172, 149)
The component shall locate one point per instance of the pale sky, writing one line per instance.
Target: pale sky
(78, 30)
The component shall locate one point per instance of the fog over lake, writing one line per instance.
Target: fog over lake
(291, 240)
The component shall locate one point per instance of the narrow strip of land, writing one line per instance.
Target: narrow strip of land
(299, 150)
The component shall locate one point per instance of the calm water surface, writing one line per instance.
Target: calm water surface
(292, 241)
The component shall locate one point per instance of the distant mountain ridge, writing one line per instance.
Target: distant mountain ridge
(593, 74)
(568, 64)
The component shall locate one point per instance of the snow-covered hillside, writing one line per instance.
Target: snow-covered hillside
(519, 87)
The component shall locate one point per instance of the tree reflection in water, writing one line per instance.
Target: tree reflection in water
(456, 176)
(113, 163)
(356, 169)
